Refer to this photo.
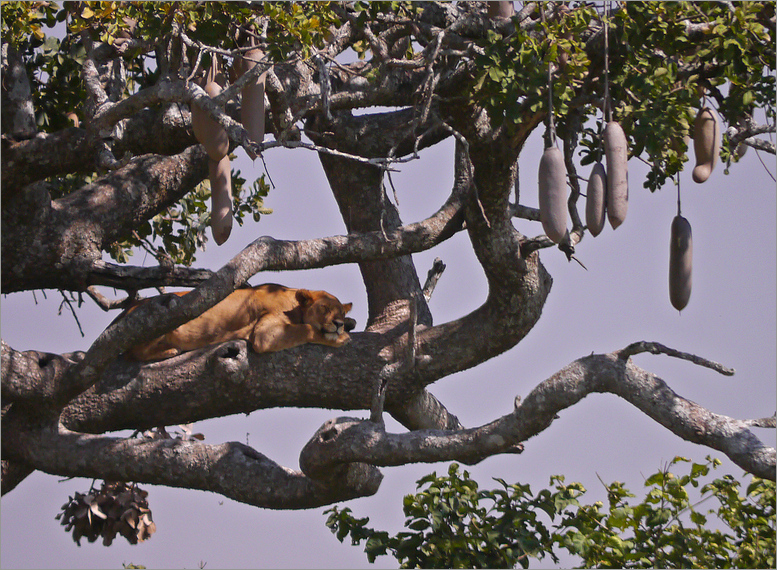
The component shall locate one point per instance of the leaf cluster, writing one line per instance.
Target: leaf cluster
(512, 76)
(658, 72)
(23, 22)
(298, 27)
(661, 76)
(666, 530)
(454, 524)
(182, 227)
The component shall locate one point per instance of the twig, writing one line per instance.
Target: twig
(764, 165)
(323, 79)
(432, 277)
(570, 144)
(107, 304)
(517, 183)
(267, 171)
(393, 188)
(431, 79)
(656, 348)
(525, 212)
(533, 244)
(379, 395)
(412, 338)
(769, 422)
(571, 257)
(66, 302)
(470, 174)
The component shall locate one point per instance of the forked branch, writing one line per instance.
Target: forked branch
(350, 440)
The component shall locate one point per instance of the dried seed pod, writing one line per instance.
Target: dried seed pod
(553, 194)
(616, 152)
(208, 132)
(706, 143)
(680, 262)
(117, 508)
(252, 107)
(221, 199)
(595, 199)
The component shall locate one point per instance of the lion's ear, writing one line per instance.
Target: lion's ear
(347, 307)
(304, 297)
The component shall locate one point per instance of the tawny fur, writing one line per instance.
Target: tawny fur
(270, 317)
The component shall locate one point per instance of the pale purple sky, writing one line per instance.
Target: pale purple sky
(621, 298)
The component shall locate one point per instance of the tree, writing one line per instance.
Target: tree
(131, 173)
(453, 524)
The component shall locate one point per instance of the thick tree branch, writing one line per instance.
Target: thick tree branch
(231, 469)
(127, 277)
(13, 473)
(18, 115)
(346, 440)
(55, 243)
(264, 254)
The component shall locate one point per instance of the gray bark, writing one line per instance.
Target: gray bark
(56, 408)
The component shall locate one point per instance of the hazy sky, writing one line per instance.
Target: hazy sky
(621, 298)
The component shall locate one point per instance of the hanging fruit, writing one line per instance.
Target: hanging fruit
(220, 174)
(680, 262)
(553, 194)
(208, 132)
(595, 199)
(616, 152)
(500, 9)
(252, 106)
(706, 143)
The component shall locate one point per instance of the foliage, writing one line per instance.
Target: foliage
(453, 524)
(182, 227)
(654, 93)
(513, 70)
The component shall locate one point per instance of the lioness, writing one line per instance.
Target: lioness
(270, 317)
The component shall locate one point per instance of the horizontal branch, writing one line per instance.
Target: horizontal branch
(346, 440)
(266, 253)
(747, 133)
(656, 348)
(67, 235)
(770, 422)
(231, 469)
(129, 277)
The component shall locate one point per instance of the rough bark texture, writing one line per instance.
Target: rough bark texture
(56, 408)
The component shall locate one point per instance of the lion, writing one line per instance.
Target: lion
(270, 317)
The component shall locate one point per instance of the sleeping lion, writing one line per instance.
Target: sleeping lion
(270, 317)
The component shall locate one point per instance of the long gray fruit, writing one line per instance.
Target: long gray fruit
(221, 199)
(553, 194)
(616, 152)
(706, 143)
(595, 199)
(680, 262)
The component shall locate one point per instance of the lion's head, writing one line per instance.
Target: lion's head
(326, 313)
